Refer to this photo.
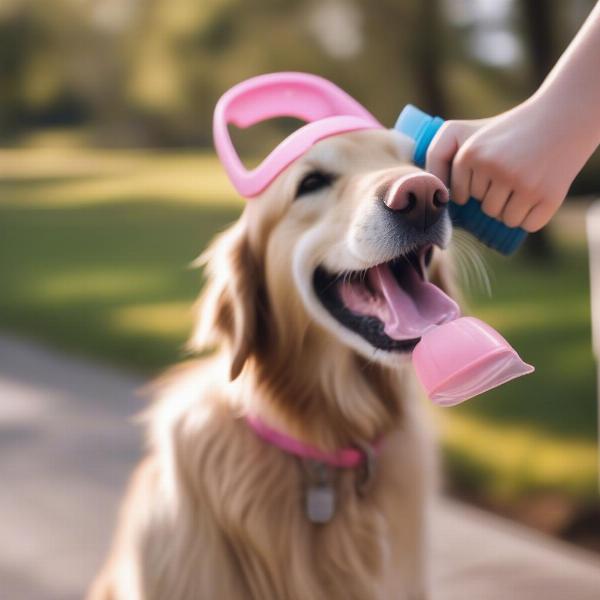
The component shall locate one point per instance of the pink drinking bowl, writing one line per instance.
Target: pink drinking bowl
(464, 358)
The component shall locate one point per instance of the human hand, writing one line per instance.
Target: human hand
(519, 164)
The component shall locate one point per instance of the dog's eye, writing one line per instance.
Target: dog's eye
(314, 181)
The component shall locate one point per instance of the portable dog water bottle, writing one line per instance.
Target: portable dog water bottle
(422, 128)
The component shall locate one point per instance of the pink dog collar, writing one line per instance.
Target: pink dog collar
(327, 109)
(345, 458)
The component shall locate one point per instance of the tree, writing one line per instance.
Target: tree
(540, 40)
(427, 54)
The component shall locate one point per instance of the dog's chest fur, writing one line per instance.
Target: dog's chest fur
(242, 505)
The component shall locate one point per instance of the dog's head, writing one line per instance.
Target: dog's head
(334, 256)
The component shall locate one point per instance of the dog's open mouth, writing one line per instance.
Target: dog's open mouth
(391, 305)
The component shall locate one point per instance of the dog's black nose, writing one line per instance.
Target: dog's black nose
(420, 198)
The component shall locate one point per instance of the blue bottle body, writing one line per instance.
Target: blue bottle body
(422, 128)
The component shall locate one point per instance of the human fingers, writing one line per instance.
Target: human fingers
(538, 216)
(495, 199)
(441, 151)
(515, 210)
(480, 184)
(460, 182)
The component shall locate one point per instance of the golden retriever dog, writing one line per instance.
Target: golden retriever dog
(297, 326)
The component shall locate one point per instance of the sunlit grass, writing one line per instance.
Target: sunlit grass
(97, 285)
(43, 177)
(511, 459)
(170, 320)
(95, 248)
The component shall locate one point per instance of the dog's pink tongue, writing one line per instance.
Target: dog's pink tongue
(456, 358)
(414, 307)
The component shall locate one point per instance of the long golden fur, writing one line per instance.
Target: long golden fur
(213, 512)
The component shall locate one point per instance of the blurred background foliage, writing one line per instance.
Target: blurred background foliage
(148, 72)
(109, 188)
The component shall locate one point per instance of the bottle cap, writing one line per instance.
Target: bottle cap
(421, 127)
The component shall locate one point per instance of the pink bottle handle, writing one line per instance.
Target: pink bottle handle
(327, 109)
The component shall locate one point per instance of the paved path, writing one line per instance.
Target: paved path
(67, 445)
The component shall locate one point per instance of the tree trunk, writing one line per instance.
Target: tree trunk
(539, 20)
(427, 45)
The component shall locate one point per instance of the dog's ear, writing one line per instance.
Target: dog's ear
(228, 307)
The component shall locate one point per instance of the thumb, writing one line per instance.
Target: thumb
(441, 151)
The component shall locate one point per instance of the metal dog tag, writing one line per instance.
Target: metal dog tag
(320, 503)
(320, 492)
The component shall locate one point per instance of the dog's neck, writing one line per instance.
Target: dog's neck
(327, 396)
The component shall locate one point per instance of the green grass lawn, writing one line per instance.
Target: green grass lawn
(538, 432)
(94, 255)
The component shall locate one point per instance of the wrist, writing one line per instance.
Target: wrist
(566, 132)
(574, 120)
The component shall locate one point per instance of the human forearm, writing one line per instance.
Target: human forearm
(570, 94)
(520, 163)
